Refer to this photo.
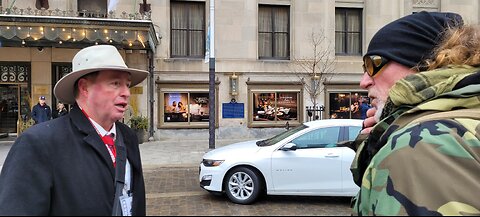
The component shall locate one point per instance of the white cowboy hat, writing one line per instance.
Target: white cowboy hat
(93, 59)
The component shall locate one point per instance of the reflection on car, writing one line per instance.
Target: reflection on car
(308, 160)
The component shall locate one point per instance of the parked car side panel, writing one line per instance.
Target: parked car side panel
(299, 172)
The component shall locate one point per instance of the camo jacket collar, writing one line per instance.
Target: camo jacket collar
(416, 93)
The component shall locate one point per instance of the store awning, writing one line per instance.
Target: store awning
(76, 32)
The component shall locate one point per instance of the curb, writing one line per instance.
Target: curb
(153, 167)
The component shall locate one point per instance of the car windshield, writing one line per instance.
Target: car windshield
(281, 136)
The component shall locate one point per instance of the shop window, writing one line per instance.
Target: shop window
(186, 107)
(348, 105)
(274, 108)
(175, 110)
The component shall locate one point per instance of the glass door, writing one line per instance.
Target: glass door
(26, 103)
(59, 70)
(8, 108)
(15, 101)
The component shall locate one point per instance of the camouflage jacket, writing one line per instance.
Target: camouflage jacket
(423, 158)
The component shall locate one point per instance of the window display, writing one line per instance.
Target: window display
(186, 107)
(175, 110)
(275, 106)
(199, 107)
(349, 105)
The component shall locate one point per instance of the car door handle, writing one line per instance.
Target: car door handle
(332, 156)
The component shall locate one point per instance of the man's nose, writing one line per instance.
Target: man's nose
(125, 91)
(366, 81)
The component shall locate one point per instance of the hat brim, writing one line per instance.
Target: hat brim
(64, 88)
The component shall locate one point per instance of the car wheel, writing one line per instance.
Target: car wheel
(243, 185)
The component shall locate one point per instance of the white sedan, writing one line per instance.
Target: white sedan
(304, 161)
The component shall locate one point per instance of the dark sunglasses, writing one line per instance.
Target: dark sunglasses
(374, 64)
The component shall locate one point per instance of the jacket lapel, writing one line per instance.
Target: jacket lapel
(91, 137)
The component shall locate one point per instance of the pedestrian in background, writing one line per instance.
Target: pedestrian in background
(363, 107)
(421, 158)
(86, 163)
(60, 111)
(41, 112)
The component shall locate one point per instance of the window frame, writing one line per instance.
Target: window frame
(273, 32)
(58, 74)
(260, 87)
(193, 87)
(329, 104)
(345, 32)
(188, 5)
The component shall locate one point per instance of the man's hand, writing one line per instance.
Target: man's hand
(370, 121)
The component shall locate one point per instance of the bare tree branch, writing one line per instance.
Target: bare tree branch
(313, 71)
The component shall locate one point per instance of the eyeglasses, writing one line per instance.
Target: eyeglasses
(372, 65)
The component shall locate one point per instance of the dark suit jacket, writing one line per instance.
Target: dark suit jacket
(62, 167)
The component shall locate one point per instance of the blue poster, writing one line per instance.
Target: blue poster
(233, 110)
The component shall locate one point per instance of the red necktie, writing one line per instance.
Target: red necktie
(108, 140)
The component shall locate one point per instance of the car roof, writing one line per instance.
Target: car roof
(334, 122)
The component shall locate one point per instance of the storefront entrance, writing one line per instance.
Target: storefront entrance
(14, 104)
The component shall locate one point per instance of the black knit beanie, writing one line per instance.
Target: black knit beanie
(410, 40)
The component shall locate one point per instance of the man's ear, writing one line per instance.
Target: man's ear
(83, 86)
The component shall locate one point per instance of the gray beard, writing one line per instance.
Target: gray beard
(379, 112)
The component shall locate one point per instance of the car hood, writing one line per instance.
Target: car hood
(233, 150)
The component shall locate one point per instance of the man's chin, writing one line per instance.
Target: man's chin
(118, 117)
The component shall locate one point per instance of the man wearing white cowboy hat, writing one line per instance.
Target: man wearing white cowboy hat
(84, 163)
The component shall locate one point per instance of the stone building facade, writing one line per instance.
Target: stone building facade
(263, 55)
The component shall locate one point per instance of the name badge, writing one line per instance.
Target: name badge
(126, 203)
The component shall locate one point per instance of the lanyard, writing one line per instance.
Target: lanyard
(112, 149)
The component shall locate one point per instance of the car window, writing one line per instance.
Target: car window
(353, 132)
(281, 136)
(320, 138)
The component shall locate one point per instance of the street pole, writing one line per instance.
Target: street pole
(211, 83)
(151, 99)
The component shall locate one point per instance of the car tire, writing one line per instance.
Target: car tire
(243, 185)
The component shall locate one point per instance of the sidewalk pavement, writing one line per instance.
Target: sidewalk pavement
(186, 153)
(154, 154)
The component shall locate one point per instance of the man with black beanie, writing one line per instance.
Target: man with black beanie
(413, 150)
(404, 43)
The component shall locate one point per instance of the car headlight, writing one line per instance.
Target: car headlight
(212, 163)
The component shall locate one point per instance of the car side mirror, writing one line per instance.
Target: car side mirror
(289, 147)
